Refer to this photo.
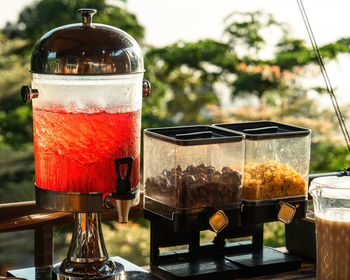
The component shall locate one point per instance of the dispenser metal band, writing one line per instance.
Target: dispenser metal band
(75, 202)
(69, 201)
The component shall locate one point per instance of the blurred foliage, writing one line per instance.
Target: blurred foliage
(192, 83)
(247, 29)
(274, 234)
(42, 16)
(193, 74)
(129, 241)
(328, 157)
(15, 117)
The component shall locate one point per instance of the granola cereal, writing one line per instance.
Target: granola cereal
(195, 186)
(271, 179)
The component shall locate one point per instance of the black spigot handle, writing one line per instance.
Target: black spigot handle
(123, 186)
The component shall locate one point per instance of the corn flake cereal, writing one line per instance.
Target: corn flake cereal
(271, 179)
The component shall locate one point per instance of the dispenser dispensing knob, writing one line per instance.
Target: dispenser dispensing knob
(286, 212)
(218, 221)
(28, 94)
(146, 88)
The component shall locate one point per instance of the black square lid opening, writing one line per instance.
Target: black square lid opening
(194, 135)
(259, 130)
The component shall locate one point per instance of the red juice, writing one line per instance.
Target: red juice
(75, 152)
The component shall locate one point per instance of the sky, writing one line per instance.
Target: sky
(169, 21)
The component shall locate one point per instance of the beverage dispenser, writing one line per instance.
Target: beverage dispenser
(87, 87)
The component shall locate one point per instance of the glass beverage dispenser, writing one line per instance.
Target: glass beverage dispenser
(86, 91)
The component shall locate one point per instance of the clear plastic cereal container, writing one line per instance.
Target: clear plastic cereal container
(277, 158)
(190, 169)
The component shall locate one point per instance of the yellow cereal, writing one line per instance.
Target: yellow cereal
(271, 179)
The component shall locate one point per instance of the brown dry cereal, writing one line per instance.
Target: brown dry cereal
(271, 179)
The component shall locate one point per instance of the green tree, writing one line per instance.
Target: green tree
(42, 16)
(191, 71)
(188, 74)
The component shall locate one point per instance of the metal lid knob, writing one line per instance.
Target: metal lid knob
(87, 15)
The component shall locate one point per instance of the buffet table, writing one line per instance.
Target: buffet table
(44, 273)
(307, 271)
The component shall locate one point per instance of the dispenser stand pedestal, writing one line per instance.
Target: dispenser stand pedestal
(87, 255)
(216, 259)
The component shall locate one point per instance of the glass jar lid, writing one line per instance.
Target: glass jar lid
(86, 49)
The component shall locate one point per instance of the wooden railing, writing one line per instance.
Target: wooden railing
(21, 216)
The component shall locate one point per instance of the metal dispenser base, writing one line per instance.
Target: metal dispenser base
(87, 255)
(59, 275)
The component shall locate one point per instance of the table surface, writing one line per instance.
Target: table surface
(306, 271)
(44, 273)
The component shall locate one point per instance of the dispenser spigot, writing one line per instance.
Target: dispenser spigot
(121, 199)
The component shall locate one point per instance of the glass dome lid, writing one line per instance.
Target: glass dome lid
(86, 49)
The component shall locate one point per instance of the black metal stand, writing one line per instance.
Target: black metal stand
(217, 259)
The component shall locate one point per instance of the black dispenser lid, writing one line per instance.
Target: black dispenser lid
(86, 49)
(194, 135)
(260, 130)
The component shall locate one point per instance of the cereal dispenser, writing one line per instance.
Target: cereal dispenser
(229, 179)
(193, 182)
(86, 94)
